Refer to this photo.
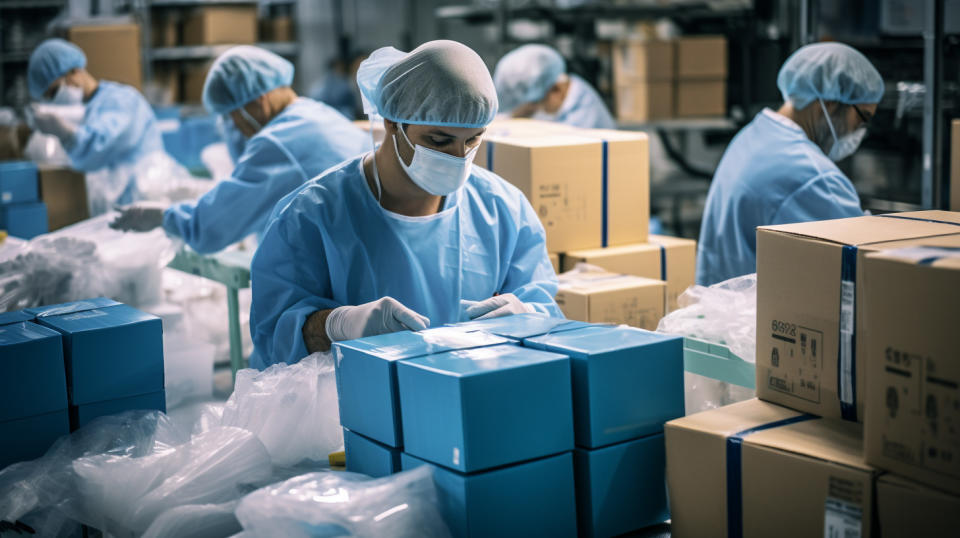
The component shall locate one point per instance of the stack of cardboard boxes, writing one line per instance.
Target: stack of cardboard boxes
(112, 51)
(855, 319)
(22, 214)
(582, 447)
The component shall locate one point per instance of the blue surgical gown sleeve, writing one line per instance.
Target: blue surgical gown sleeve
(827, 196)
(530, 275)
(112, 129)
(238, 206)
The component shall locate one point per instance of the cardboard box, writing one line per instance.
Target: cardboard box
(643, 102)
(221, 25)
(807, 274)
(613, 298)
(165, 29)
(678, 258)
(81, 415)
(26, 220)
(369, 457)
(955, 165)
(278, 29)
(907, 509)
(18, 182)
(912, 422)
(64, 190)
(754, 469)
(701, 97)
(531, 499)
(626, 382)
(367, 375)
(555, 262)
(621, 488)
(192, 78)
(520, 326)
(113, 51)
(647, 61)
(507, 126)
(111, 350)
(701, 57)
(454, 407)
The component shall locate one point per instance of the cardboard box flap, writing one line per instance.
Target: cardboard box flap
(934, 215)
(611, 135)
(731, 419)
(858, 231)
(822, 439)
(941, 251)
(619, 283)
(589, 253)
(543, 140)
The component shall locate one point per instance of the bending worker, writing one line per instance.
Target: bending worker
(781, 167)
(118, 128)
(532, 81)
(279, 141)
(408, 236)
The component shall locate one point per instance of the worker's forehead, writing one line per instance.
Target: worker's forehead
(442, 130)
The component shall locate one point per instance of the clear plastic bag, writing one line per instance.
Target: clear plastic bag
(196, 521)
(341, 504)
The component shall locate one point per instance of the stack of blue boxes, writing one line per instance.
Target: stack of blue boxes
(533, 425)
(78, 360)
(22, 214)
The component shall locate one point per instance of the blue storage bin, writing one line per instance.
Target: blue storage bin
(520, 326)
(24, 220)
(18, 182)
(369, 457)
(81, 415)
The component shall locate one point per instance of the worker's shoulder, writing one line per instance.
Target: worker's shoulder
(330, 186)
(111, 92)
(306, 117)
(489, 185)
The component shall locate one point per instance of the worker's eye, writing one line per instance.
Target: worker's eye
(473, 140)
(439, 142)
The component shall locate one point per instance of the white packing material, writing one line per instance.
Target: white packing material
(196, 521)
(187, 367)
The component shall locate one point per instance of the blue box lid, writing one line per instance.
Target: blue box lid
(72, 307)
(483, 360)
(581, 343)
(16, 166)
(6, 318)
(407, 344)
(520, 326)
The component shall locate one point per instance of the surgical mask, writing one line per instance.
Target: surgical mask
(845, 146)
(250, 119)
(235, 140)
(434, 171)
(68, 95)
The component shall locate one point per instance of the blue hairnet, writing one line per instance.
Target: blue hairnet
(242, 74)
(438, 83)
(525, 75)
(50, 61)
(829, 71)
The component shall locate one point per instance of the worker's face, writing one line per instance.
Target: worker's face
(73, 78)
(250, 120)
(549, 105)
(456, 141)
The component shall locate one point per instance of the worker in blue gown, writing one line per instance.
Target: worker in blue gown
(279, 141)
(532, 81)
(781, 168)
(118, 127)
(410, 235)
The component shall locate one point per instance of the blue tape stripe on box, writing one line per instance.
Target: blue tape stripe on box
(604, 211)
(918, 219)
(663, 263)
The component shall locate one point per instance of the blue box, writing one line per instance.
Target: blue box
(536, 498)
(475, 409)
(33, 380)
(367, 375)
(111, 350)
(81, 415)
(369, 457)
(29, 438)
(6, 318)
(626, 382)
(621, 488)
(520, 326)
(19, 182)
(26, 220)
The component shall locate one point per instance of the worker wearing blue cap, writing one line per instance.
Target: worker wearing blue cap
(781, 167)
(278, 140)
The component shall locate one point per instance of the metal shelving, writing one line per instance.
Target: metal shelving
(13, 63)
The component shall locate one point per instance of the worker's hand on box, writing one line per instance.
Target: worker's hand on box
(140, 217)
(496, 306)
(51, 123)
(386, 315)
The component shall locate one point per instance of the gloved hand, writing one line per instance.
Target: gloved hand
(382, 316)
(497, 306)
(51, 123)
(140, 217)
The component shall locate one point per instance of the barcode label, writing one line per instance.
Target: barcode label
(841, 519)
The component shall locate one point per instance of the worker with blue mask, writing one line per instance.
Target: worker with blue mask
(118, 126)
(781, 168)
(410, 235)
(532, 81)
(279, 141)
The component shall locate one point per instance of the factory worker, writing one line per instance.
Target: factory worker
(781, 167)
(118, 127)
(279, 141)
(410, 235)
(532, 81)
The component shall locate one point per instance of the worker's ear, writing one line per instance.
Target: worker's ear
(390, 127)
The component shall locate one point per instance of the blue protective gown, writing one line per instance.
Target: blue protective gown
(771, 173)
(583, 107)
(301, 142)
(332, 244)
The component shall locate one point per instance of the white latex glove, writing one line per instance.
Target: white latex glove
(382, 316)
(497, 306)
(140, 217)
(52, 124)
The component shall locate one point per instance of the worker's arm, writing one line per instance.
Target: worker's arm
(828, 196)
(111, 130)
(315, 331)
(530, 275)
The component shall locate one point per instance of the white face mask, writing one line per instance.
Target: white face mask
(434, 171)
(845, 146)
(251, 121)
(68, 95)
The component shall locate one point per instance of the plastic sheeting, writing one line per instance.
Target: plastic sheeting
(196, 521)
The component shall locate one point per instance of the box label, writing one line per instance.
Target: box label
(841, 519)
(847, 305)
(796, 360)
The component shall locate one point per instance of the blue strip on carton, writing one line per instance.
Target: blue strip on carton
(369, 457)
(111, 350)
(24, 220)
(81, 415)
(520, 326)
(622, 487)
(536, 498)
(367, 376)
(18, 182)
(476, 409)
(626, 382)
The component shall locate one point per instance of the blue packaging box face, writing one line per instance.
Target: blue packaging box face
(520, 326)
(18, 182)
(536, 498)
(367, 375)
(626, 382)
(81, 415)
(25, 220)
(29, 438)
(33, 380)
(6, 318)
(621, 488)
(111, 352)
(476, 409)
(369, 457)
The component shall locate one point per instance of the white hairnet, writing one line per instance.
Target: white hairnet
(829, 71)
(525, 75)
(438, 83)
(242, 74)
